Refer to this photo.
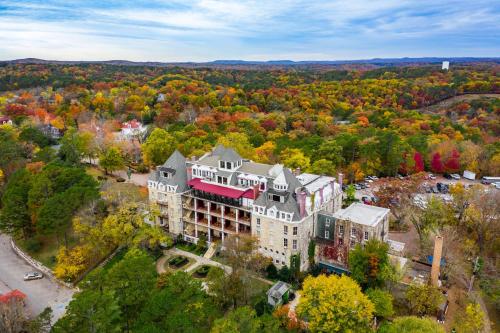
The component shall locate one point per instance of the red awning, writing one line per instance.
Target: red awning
(197, 184)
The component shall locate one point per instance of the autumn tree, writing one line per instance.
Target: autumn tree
(473, 319)
(423, 299)
(334, 304)
(294, 158)
(111, 160)
(370, 265)
(158, 147)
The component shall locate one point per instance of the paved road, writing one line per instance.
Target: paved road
(40, 293)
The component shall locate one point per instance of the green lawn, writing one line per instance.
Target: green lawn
(49, 248)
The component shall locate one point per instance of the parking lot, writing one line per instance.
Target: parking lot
(40, 293)
(428, 182)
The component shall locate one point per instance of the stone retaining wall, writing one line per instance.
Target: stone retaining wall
(38, 265)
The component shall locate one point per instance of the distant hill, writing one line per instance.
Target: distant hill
(275, 63)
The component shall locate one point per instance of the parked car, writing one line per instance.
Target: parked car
(363, 185)
(357, 187)
(455, 176)
(434, 190)
(366, 185)
(431, 176)
(368, 180)
(373, 177)
(32, 276)
(447, 176)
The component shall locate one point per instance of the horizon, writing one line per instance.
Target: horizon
(209, 30)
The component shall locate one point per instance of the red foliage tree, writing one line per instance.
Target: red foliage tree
(453, 162)
(268, 125)
(436, 164)
(419, 162)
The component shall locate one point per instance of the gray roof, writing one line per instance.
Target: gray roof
(278, 289)
(289, 206)
(291, 180)
(176, 165)
(229, 154)
(362, 214)
(254, 168)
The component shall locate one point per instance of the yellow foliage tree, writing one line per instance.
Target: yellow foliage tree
(334, 304)
(72, 263)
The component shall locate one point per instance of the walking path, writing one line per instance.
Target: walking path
(199, 261)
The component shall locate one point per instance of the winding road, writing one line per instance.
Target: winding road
(40, 293)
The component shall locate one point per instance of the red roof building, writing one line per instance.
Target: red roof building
(14, 294)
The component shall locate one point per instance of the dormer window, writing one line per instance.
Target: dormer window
(167, 175)
(222, 164)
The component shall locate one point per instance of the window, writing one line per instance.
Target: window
(166, 174)
(276, 198)
(258, 222)
(327, 234)
(366, 235)
(295, 231)
(294, 244)
(353, 232)
(229, 165)
(353, 243)
(341, 230)
(327, 223)
(285, 243)
(222, 164)
(341, 241)
(285, 230)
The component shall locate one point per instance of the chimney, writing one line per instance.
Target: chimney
(256, 189)
(189, 172)
(436, 260)
(297, 172)
(302, 203)
(341, 179)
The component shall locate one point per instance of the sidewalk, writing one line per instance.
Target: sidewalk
(199, 261)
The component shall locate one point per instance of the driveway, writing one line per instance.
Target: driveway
(40, 293)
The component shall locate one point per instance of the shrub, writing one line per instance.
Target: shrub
(120, 180)
(142, 168)
(271, 271)
(202, 271)
(33, 245)
(178, 261)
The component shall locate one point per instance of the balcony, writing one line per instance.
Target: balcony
(244, 219)
(203, 221)
(230, 215)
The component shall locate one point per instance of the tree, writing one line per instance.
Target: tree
(71, 264)
(158, 147)
(323, 167)
(436, 164)
(382, 300)
(132, 279)
(91, 311)
(370, 265)
(41, 323)
(334, 304)
(14, 217)
(294, 158)
(423, 299)
(412, 324)
(432, 217)
(239, 142)
(111, 159)
(330, 151)
(241, 320)
(473, 320)
(180, 306)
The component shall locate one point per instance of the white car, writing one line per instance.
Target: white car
(368, 180)
(431, 176)
(455, 176)
(33, 276)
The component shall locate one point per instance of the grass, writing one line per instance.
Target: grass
(49, 247)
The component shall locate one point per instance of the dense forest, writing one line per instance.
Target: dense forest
(360, 122)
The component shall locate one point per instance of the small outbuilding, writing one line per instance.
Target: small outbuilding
(278, 294)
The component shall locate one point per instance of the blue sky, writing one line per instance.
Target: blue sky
(205, 30)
